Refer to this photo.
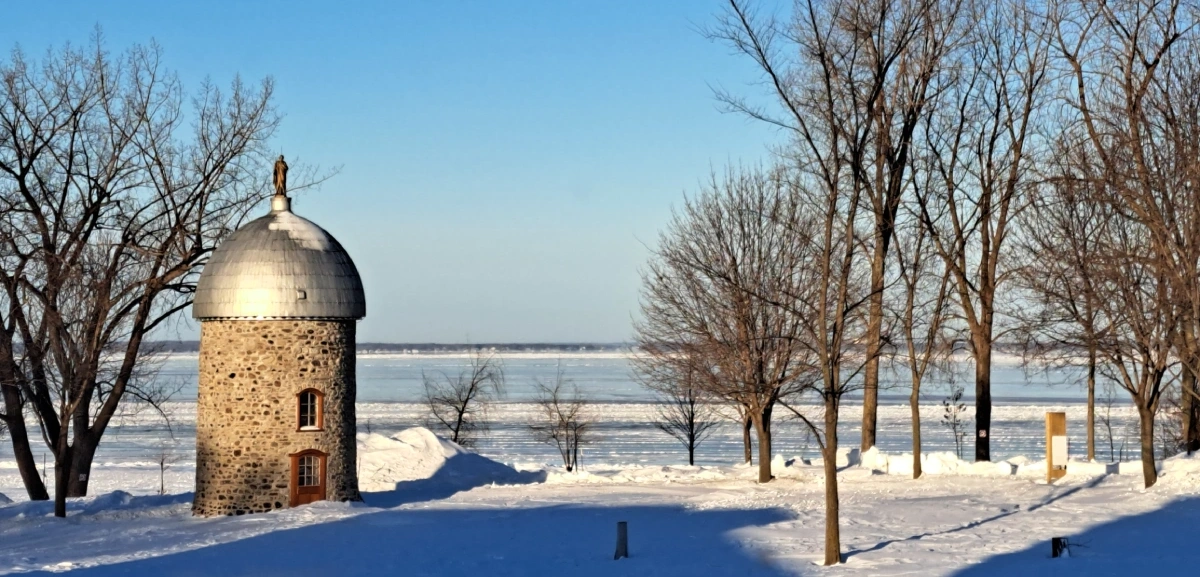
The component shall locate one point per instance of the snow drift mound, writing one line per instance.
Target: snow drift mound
(941, 463)
(418, 459)
(113, 505)
(1180, 471)
(108, 501)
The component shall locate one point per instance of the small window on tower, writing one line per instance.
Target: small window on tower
(310, 410)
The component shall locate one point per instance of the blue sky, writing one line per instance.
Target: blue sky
(504, 164)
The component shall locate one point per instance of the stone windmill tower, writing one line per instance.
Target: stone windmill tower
(277, 304)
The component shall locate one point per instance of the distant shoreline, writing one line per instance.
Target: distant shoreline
(443, 349)
(854, 403)
(381, 355)
(520, 351)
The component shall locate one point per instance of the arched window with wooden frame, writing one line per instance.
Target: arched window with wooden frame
(308, 477)
(310, 410)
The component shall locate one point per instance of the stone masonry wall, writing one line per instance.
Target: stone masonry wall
(251, 373)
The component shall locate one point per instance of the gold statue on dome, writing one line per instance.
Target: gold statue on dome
(281, 169)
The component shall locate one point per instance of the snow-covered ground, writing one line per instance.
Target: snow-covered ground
(432, 508)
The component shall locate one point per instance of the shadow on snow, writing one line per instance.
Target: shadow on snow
(1162, 541)
(1054, 496)
(517, 538)
(546, 540)
(461, 472)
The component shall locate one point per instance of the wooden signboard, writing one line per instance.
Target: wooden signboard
(1056, 446)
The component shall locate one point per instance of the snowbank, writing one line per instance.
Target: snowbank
(417, 458)
(109, 501)
(408, 455)
(594, 474)
(1180, 471)
(112, 505)
(943, 463)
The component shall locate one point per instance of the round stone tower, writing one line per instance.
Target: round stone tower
(277, 304)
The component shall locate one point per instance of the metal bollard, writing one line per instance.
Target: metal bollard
(622, 540)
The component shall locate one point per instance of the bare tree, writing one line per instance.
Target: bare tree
(1134, 82)
(114, 193)
(882, 55)
(953, 410)
(921, 311)
(1138, 351)
(831, 107)
(981, 148)
(829, 308)
(685, 411)
(165, 455)
(707, 292)
(461, 402)
(1107, 401)
(1059, 247)
(1136, 319)
(562, 418)
(1132, 89)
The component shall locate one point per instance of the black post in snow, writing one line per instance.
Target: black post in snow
(622, 540)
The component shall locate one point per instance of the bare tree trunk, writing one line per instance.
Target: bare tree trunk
(1149, 471)
(1091, 407)
(62, 474)
(762, 425)
(915, 405)
(1190, 408)
(833, 535)
(82, 453)
(691, 446)
(26, 465)
(983, 398)
(748, 451)
(874, 330)
(458, 422)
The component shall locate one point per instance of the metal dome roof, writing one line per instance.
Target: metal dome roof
(280, 266)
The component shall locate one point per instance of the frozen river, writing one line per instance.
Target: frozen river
(609, 377)
(389, 389)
